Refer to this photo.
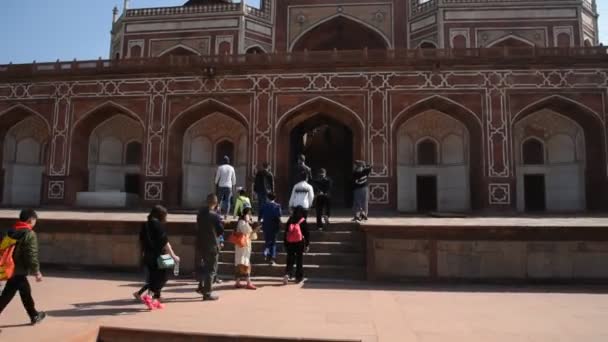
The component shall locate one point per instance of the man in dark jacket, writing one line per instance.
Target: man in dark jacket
(263, 185)
(210, 229)
(323, 186)
(26, 263)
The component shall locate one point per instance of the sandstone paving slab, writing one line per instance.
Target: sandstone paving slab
(77, 303)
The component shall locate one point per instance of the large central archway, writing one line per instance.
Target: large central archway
(331, 137)
(328, 144)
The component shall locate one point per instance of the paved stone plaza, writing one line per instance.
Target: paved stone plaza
(77, 305)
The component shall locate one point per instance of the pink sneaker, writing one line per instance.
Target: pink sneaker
(156, 304)
(147, 300)
(251, 287)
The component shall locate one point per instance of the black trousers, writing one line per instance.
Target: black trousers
(322, 207)
(21, 284)
(209, 271)
(157, 279)
(295, 254)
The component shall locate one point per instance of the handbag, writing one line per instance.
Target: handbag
(165, 262)
(238, 239)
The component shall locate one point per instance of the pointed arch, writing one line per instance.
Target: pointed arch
(23, 108)
(320, 102)
(178, 46)
(313, 111)
(469, 119)
(427, 44)
(533, 151)
(552, 102)
(513, 37)
(302, 34)
(253, 49)
(108, 106)
(435, 102)
(209, 106)
(594, 136)
(178, 127)
(82, 128)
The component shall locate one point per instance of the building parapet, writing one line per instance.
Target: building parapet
(419, 7)
(315, 59)
(176, 10)
(201, 9)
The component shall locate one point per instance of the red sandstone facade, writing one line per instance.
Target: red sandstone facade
(487, 76)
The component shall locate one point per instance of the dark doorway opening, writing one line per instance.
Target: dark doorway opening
(426, 193)
(327, 144)
(534, 193)
(132, 183)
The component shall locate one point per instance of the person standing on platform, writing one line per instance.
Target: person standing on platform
(302, 168)
(25, 257)
(302, 195)
(271, 222)
(210, 229)
(361, 190)
(225, 180)
(323, 186)
(263, 185)
(154, 243)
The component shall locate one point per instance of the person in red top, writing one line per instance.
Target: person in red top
(26, 263)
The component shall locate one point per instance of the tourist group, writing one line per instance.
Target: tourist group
(19, 245)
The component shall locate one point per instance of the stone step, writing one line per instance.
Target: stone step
(346, 259)
(332, 227)
(226, 271)
(315, 235)
(315, 247)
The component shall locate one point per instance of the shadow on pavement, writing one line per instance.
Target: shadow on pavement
(15, 326)
(94, 312)
(471, 287)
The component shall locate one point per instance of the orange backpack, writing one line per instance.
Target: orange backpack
(7, 264)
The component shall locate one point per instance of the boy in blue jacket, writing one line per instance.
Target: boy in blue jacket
(271, 224)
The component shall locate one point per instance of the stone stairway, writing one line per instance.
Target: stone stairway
(337, 252)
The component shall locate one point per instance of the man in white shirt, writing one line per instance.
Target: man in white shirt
(225, 180)
(302, 195)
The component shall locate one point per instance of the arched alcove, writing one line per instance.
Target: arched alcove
(341, 33)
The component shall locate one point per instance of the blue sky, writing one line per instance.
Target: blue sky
(45, 30)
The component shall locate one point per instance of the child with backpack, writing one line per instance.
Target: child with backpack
(296, 242)
(18, 259)
(242, 201)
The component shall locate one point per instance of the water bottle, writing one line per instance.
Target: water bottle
(176, 269)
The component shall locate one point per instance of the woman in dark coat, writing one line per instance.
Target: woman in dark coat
(154, 243)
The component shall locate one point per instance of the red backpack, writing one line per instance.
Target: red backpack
(294, 233)
(7, 264)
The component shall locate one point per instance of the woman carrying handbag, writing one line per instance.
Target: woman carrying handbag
(157, 255)
(244, 234)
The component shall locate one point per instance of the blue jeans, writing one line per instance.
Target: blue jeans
(262, 199)
(270, 241)
(224, 195)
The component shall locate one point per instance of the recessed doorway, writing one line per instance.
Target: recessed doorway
(426, 193)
